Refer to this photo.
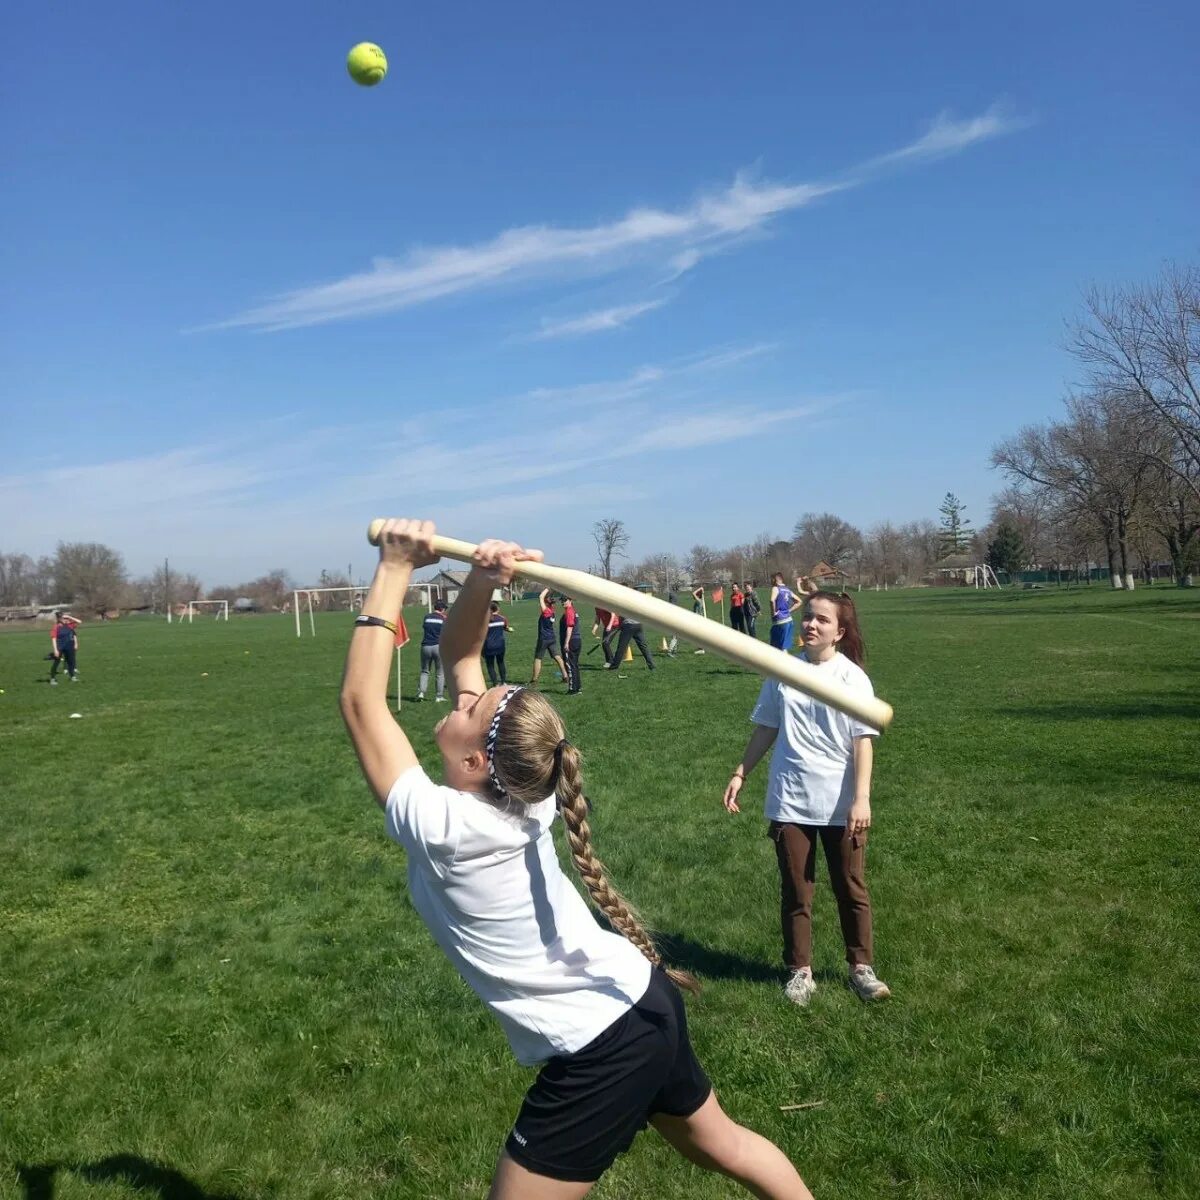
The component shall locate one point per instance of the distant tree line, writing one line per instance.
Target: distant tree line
(1118, 474)
(1115, 479)
(92, 578)
(886, 553)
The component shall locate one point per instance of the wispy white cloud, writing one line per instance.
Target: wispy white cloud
(526, 252)
(595, 322)
(229, 510)
(946, 135)
(728, 424)
(677, 239)
(643, 378)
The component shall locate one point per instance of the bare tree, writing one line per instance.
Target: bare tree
(1024, 508)
(1093, 459)
(702, 562)
(758, 562)
(1170, 512)
(24, 581)
(270, 592)
(1145, 341)
(824, 537)
(611, 540)
(158, 589)
(662, 572)
(882, 554)
(920, 548)
(90, 575)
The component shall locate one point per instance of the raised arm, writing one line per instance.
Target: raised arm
(383, 750)
(466, 626)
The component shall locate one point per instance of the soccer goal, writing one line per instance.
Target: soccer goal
(304, 596)
(984, 576)
(222, 607)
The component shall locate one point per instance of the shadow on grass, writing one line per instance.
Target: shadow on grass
(38, 1180)
(680, 951)
(1108, 710)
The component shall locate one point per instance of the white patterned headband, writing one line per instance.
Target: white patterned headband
(501, 792)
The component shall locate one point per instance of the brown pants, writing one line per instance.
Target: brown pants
(846, 856)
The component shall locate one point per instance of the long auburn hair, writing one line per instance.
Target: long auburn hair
(531, 766)
(852, 644)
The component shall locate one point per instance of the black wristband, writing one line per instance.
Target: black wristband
(363, 619)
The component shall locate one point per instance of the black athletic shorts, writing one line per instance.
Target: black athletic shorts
(584, 1109)
(543, 648)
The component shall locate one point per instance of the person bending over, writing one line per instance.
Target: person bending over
(593, 1006)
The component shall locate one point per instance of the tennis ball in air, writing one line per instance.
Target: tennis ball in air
(367, 64)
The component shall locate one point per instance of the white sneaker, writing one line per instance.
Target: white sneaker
(439, 700)
(800, 988)
(74, 678)
(864, 982)
(420, 696)
(53, 681)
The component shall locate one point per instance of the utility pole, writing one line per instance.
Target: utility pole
(167, 587)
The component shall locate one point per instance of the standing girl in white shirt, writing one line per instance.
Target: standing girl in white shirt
(596, 1008)
(818, 790)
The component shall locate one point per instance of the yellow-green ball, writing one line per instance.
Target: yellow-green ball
(367, 64)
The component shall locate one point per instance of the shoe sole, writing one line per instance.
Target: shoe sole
(883, 994)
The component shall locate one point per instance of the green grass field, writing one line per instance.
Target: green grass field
(212, 983)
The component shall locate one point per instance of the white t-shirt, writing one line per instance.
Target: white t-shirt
(811, 778)
(489, 886)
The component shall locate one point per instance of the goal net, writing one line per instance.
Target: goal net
(221, 607)
(304, 598)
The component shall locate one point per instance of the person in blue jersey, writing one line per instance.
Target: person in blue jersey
(495, 644)
(570, 638)
(431, 654)
(784, 602)
(546, 637)
(593, 1006)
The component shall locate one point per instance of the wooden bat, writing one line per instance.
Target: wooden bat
(720, 639)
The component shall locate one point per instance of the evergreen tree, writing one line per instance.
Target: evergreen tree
(1006, 550)
(956, 529)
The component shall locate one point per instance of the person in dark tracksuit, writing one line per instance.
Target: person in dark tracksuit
(631, 631)
(64, 643)
(571, 640)
(750, 608)
(431, 654)
(494, 645)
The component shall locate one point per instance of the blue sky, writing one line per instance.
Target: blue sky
(697, 268)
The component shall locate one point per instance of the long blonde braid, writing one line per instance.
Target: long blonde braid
(533, 758)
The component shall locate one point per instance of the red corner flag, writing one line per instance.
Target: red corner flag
(718, 595)
(401, 632)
